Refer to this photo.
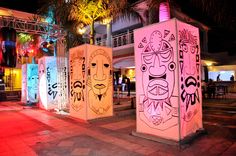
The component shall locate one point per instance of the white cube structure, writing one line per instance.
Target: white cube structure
(168, 80)
(53, 84)
(29, 89)
(91, 87)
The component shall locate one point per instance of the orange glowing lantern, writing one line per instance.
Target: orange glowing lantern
(91, 82)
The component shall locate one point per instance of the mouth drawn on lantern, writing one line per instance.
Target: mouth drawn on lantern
(158, 87)
(99, 86)
(191, 81)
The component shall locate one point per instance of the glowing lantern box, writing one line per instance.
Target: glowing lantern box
(51, 87)
(168, 80)
(29, 89)
(91, 87)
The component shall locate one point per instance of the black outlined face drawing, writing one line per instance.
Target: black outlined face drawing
(100, 81)
(189, 65)
(158, 80)
(78, 83)
(100, 71)
(157, 67)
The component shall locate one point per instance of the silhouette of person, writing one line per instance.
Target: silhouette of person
(232, 78)
(218, 77)
(123, 83)
(128, 86)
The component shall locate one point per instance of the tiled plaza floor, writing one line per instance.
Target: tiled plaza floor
(29, 132)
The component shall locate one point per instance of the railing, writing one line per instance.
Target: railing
(118, 40)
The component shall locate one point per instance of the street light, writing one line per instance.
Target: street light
(81, 29)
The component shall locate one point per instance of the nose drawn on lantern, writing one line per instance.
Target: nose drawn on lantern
(157, 69)
(99, 74)
(190, 67)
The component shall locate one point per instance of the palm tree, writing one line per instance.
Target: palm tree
(90, 11)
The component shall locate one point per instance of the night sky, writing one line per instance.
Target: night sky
(221, 37)
(30, 6)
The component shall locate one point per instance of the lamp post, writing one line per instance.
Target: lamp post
(107, 22)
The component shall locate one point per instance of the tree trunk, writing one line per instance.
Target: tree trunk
(152, 15)
(91, 39)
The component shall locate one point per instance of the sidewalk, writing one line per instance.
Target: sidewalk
(30, 132)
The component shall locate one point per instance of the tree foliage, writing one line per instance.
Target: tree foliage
(74, 12)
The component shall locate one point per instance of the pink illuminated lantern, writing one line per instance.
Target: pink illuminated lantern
(168, 86)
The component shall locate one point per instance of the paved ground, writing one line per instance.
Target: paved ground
(30, 132)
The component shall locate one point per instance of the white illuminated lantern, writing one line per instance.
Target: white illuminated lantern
(48, 82)
(91, 89)
(53, 90)
(168, 80)
(29, 89)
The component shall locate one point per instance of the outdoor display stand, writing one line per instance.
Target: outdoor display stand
(91, 87)
(168, 80)
(52, 83)
(29, 89)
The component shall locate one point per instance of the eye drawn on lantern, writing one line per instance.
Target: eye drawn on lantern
(99, 81)
(158, 81)
(77, 80)
(190, 78)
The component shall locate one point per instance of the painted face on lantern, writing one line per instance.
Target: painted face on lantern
(100, 68)
(33, 81)
(77, 74)
(189, 51)
(189, 65)
(158, 68)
